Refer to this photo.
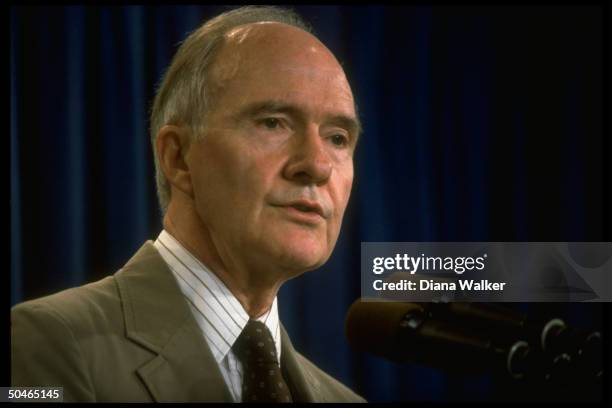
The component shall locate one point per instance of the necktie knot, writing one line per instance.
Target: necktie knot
(255, 344)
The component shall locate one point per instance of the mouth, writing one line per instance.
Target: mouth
(303, 212)
(307, 207)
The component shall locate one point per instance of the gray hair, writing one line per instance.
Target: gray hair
(183, 96)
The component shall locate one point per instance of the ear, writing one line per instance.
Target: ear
(172, 145)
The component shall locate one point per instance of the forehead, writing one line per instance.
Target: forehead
(281, 62)
(264, 37)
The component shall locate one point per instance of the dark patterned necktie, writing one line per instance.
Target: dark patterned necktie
(262, 379)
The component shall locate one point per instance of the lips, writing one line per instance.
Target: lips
(306, 206)
(303, 211)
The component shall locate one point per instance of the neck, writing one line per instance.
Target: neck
(255, 294)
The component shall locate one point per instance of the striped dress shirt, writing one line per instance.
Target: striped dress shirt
(218, 313)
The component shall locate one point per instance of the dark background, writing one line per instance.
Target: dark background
(480, 124)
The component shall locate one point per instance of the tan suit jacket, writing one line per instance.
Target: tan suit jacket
(132, 337)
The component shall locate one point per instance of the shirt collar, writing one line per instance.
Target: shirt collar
(218, 313)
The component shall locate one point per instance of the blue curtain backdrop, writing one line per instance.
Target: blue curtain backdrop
(481, 124)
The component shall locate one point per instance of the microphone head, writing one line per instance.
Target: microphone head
(405, 333)
(372, 325)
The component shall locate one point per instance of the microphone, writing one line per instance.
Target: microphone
(472, 338)
(405, 332)
(502, 323)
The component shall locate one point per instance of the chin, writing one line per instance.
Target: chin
(303, 256)
(296, 248)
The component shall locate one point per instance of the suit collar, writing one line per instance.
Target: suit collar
(304, 386)
(158, 318)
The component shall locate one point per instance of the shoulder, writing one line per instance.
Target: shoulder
(332, 389)
(52, 337)
(78, 308)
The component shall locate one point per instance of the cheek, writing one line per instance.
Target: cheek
(214, 171)
(220, 165)
(238, 176)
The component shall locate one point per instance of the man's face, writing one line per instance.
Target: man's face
(273, 171)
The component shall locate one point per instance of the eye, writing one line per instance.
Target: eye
(339, 140)
(271, 123)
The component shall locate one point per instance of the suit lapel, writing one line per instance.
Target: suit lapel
(158, 318)
(304, 386)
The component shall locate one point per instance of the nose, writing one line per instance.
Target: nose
(309, 162)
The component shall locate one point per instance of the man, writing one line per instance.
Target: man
(253, 129)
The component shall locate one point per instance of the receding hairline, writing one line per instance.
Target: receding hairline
(270, 30)
(264, 25)
(243, 34)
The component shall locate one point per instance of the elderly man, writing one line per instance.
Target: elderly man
(253, 129)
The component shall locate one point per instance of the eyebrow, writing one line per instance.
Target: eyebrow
(350, 123)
